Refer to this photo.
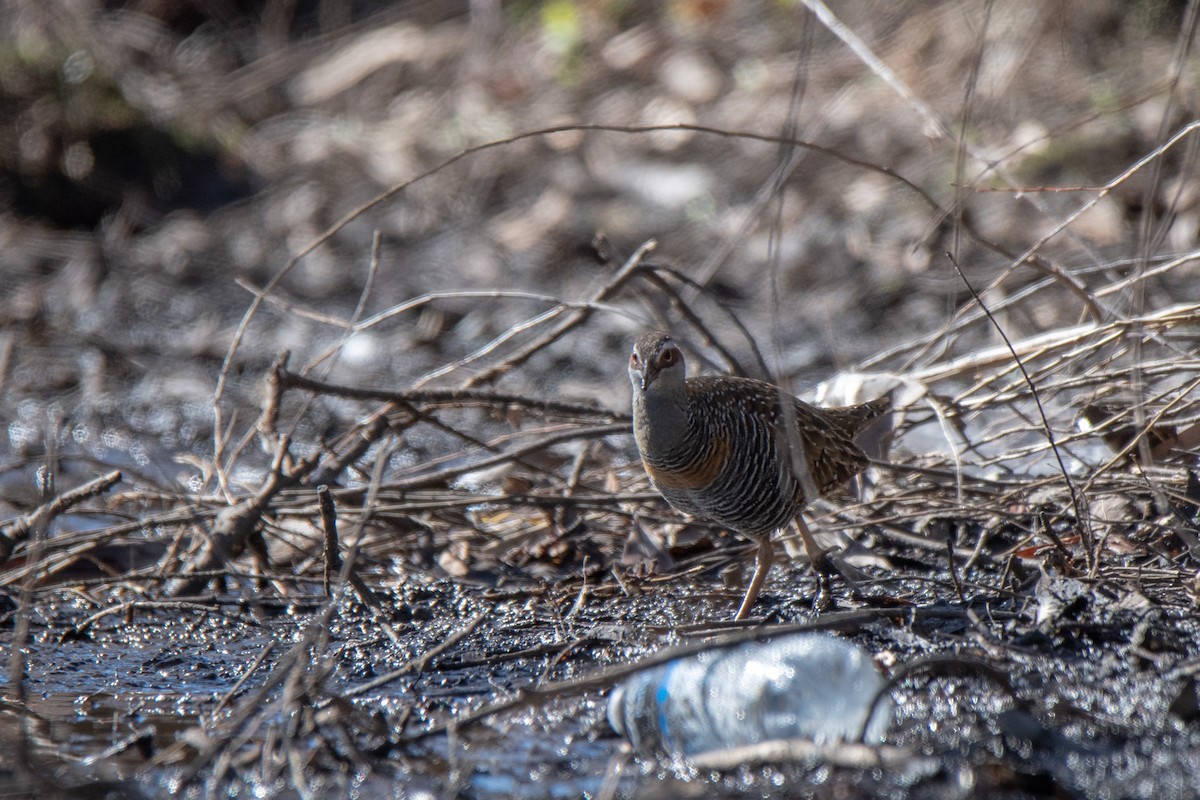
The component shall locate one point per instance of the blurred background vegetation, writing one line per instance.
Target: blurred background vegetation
(159, 160)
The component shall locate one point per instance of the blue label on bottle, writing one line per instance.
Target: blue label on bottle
(661, 696)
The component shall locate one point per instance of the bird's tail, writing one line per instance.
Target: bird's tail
(853, 420)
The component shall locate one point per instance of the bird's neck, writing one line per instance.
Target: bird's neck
(661, 422)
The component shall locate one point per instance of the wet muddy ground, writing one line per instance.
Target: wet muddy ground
(1095, 700)
(248, 256)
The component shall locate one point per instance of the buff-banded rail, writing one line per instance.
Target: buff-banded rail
(718, 448)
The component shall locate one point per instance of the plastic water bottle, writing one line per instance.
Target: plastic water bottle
(809, 685)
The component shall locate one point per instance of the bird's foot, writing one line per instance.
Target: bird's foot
(823, 598)
(822, 563)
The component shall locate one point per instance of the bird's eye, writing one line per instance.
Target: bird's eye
(633, 359)
(667, 357)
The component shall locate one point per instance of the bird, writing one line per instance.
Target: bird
(734, 450)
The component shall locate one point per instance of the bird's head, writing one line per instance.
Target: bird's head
(656, 364)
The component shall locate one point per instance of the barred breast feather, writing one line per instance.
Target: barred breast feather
(734, 465)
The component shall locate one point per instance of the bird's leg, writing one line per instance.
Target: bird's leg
(823, 599)
(763, 559)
